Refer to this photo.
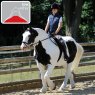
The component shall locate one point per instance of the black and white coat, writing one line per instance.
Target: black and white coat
(47, 53)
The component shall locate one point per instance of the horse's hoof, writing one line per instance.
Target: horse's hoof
(52, 88)
(72, 86)
(43, 90)
(60, 90)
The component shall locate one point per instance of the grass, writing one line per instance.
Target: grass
(18, 77)
(35, 74)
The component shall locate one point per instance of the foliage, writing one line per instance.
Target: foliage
(86, 32)
(40, 11)
(2, 40)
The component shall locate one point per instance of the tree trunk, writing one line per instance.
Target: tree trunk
(72, 12)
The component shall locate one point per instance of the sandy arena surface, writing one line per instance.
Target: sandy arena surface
(82, 88)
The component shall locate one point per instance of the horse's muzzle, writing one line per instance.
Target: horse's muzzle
(23, 46)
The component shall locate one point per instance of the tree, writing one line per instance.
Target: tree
(72, 13)
(87, 25)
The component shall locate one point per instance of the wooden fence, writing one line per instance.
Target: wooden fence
(8, 56)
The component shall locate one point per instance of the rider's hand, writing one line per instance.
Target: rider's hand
(52, 34)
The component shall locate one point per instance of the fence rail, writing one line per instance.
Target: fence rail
(11, 50)
(17, 47)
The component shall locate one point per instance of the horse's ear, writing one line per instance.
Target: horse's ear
(33, 31)
(29, 28)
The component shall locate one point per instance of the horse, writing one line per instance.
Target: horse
(48, 53)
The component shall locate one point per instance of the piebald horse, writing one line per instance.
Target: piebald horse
(49, 52)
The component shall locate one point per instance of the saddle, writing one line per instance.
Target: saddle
(62, 47)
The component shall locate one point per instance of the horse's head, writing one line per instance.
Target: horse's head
(32, 35)
(29, 36)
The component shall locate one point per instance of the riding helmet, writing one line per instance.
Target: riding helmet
(55, 6)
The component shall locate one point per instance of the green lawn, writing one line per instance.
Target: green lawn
(35, 74)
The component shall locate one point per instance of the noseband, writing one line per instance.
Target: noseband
(25, 43)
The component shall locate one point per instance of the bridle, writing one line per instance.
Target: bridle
(25, 43)
(32, 44)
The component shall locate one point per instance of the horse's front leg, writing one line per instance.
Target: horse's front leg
(42, 72)
(47, 76)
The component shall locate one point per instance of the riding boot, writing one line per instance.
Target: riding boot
(63, 45)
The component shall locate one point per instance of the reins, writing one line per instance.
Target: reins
(30, 45)
(40, 40)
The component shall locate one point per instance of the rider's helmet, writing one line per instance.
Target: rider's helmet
(55, 6)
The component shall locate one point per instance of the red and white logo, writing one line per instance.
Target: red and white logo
(15, 12)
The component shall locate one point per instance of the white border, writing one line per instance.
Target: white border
(17, 1)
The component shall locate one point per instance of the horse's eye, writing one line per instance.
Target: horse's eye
(29, 35)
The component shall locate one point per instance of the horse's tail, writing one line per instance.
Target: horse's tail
(78, 57)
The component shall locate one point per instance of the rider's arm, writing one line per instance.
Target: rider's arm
(47, 26)
(59, 26)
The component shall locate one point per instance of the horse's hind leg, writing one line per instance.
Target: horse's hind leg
(72, 82)
(47, 76)
(67, 76)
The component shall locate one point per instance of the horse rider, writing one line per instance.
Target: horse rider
(54, 21)
(54, 27)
